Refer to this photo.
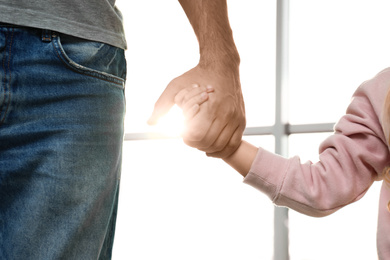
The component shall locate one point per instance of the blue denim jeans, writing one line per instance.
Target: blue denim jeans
(61, 130)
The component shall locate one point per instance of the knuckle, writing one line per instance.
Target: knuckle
(218, 147)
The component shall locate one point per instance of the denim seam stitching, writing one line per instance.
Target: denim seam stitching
(84, 70)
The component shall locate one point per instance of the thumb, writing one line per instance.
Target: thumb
(162, 106)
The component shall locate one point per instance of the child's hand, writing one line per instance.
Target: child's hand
(190, 99)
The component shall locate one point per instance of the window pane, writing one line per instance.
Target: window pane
(350, 233)
(334, 47)
(162, 46)
(175, 203)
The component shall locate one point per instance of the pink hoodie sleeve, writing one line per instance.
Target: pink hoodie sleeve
(350, 160)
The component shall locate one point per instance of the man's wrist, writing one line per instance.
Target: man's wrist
(223, 62)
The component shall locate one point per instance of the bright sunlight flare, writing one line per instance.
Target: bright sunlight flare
(171, 124)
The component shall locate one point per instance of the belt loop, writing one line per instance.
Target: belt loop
(46, 35)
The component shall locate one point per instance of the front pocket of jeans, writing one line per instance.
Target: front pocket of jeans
(87, 58)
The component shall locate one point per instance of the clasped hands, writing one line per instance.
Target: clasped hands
(213, 107)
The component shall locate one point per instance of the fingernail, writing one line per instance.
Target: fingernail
(195, 85)
(209, 89)
(204, 95)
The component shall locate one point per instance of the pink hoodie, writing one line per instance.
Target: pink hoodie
(350, 161)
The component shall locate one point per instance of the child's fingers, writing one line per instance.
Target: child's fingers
(197, 95)
(182, 97)
(194, 92)
(191, 107)
(193, 99)
(191, 112)
(190, 92)
(179, 98)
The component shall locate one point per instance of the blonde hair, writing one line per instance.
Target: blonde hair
(386, 179)
(386, 129)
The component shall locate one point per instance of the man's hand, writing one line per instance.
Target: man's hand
(218, 126)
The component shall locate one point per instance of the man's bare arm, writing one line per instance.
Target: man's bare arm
(218, 127)
(210, 22)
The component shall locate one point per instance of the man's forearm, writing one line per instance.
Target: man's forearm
(209, 19)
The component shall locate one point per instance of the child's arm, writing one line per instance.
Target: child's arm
(190, 100)
(350, 160)
(241, 160)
